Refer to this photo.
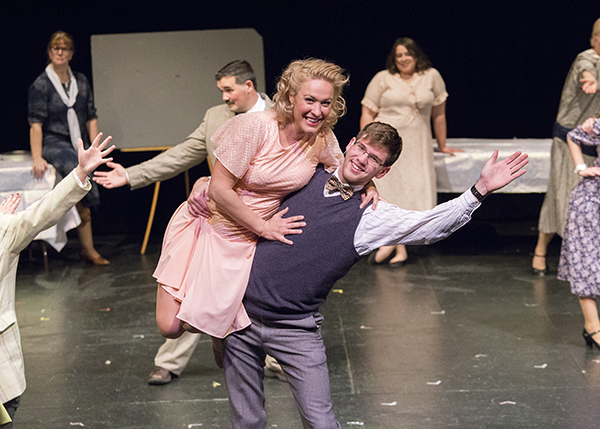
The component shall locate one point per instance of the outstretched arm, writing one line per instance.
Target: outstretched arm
(497, 174)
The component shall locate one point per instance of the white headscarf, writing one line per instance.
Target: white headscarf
(69, 101)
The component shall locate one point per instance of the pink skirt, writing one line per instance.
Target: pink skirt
(206, 273)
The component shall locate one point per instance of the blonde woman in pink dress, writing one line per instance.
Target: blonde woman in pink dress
(262, 157)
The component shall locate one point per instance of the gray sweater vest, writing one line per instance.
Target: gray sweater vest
(293, 281)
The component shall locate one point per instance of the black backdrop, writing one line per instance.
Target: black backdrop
(504, 63)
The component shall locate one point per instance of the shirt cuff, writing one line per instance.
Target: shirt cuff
(82, 185)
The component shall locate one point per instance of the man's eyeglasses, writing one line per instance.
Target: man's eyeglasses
(372, 159)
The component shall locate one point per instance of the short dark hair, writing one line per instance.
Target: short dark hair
(422, 63)
(383, 136)
(240, 69)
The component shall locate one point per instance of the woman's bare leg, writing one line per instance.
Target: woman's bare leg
(383, 253)
(590, 315)
(167, 308)
(400, 255)
(539, 254)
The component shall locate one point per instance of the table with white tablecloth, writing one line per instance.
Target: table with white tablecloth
(16, 177)
(456, 174)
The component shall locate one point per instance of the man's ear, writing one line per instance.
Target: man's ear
(383, 172)
(249, 85)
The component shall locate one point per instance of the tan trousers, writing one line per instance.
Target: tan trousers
(174, 355)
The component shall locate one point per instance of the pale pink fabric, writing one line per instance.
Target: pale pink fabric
(205, 263)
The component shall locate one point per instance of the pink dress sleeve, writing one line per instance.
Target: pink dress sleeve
(331, 156)
(239, 139)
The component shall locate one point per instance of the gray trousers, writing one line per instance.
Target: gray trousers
(298, 347)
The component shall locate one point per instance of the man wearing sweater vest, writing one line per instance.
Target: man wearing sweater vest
(288, 283)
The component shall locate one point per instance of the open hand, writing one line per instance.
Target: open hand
(94, 156)
(496, 175)
(278, 227)
(8, 205)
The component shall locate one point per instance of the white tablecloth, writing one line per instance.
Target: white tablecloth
(15, 176)
(456, 174)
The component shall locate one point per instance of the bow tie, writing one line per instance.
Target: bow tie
(334, 184)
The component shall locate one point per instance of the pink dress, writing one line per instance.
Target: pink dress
(205, 263)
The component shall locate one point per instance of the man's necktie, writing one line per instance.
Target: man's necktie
(334, 184)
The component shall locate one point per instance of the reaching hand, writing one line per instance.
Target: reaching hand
(111, 179)
(278, 227)
(496, 175)
(8, 205)
(198, 199)
(94, 156)
(590, 84)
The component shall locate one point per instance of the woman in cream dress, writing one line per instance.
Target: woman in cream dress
(410, 95)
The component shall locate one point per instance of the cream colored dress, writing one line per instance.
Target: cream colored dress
(205, 263)
(406, 105)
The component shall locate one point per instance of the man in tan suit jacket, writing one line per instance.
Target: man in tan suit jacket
(16, 232)
(238, 84)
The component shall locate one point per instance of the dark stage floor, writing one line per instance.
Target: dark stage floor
(461, 337)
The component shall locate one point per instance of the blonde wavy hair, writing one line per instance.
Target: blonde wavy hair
(296, 74)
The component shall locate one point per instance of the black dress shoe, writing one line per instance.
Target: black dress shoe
(589, 341)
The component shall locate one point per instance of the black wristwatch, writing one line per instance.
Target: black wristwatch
(477, 194)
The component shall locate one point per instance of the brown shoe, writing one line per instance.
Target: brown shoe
(160, 376)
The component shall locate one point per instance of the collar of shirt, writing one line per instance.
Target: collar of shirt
(326, 193)
(259, 106)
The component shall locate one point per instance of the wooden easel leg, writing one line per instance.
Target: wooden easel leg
(150, 218)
